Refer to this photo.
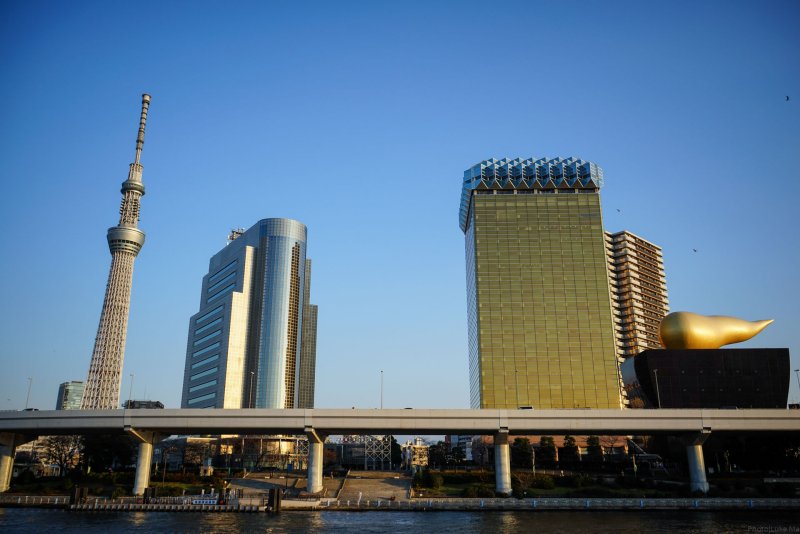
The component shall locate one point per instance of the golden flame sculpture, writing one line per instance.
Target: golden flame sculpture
(686, 330)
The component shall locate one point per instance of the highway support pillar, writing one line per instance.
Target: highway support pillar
(316, 443)
(697, 466)
(144, 461)
(8, 445)
(502, 462)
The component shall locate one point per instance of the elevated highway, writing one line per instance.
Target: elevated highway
(149, 426)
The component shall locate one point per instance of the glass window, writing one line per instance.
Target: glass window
(209, 314)
(204, 373)
(207, 349)
(202, 386)
(209, 325)
(203, 398)
(222, 282)
(201, 363)
(222, 271)
(222, 293)
(206, 338)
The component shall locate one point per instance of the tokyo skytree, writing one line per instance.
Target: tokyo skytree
(124, 241)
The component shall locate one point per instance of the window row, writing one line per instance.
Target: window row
(206, 350)
(203, 398)
(222, 271)
(208, 315)
(207, 372)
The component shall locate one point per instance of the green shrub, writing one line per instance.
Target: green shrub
(543, 482)
(435, 481)
(26, 477)
(461, 478)
(169, 490)
(470, 492)
(118, 492)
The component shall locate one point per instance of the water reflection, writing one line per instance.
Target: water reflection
(14, 520)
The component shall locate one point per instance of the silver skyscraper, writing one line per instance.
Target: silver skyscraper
(252, 343)
(124, 241)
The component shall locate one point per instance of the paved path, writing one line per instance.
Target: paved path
(373, 485)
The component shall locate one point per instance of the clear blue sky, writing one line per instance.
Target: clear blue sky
(358, 119)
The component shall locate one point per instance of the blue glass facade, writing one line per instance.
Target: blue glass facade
(248, 334)
(281, 321)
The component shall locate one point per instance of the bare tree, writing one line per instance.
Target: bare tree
(63, 451)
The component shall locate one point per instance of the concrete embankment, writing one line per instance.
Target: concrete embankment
(420, 505)
(544, 504)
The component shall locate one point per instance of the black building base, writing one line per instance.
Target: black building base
(708, 378)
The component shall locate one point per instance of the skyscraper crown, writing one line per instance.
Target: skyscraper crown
(528, 174)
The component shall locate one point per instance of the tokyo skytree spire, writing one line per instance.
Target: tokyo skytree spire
(124, 241)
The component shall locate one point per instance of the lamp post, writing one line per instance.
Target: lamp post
(658, 395)
(130, 392)
(252, 376)
(28, 397)
(381, 389)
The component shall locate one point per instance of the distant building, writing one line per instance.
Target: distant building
(142, 405)
(252, 344)
(638, 291)
(70, 395)
(414, 454)
(540, 326)
(463, 441)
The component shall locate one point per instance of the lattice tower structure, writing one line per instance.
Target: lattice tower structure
(124, 242)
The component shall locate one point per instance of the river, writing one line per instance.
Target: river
(13, 520)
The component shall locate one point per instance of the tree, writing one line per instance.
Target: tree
(63, 451)
(437, 455)
(594, 452)
(458, 455)
(610, 444)
(547, 449)
(571, 453)
(480, 452)
(105, 451)
(193, 454)
(521, 455)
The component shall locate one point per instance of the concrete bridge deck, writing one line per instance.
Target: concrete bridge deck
(149, 426)
(415, 421)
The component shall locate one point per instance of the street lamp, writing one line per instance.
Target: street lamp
(658, 395)
(252, 376)
(30, 381)
(130, 392)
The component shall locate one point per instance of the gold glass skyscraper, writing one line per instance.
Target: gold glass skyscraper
(539, 310)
